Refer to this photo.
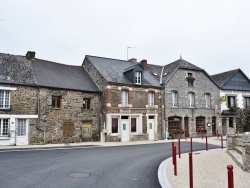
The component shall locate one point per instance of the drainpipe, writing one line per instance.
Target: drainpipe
(100, 116)
(38, 113)
(163, 103)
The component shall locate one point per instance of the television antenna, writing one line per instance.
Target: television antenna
(127, 51)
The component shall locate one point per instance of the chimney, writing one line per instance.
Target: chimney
(133, 60)
(144, 64)
(30, 55)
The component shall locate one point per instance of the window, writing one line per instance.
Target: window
(21, 127)
(191, 99)
(207, 100)
(174, 123)
(114, 125)
(4, 127)
(137, 77)
(124, 98)
(68, 129)
(4, 99)
(190, 79)
(174, 98)
(200, 122)
(246, 102)
(56, 101)
(231, 101)
(86, 103)
(133, 125)
(151, 98)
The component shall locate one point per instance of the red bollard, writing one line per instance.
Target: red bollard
(191, 145)
(175, 162)
(179, 148)
(173, 152)
(206, 144)
(191, 170)
(221, 141)
(230, 176)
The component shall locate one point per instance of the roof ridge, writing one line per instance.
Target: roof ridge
(109, 58)
(226, 72)
(57, 62)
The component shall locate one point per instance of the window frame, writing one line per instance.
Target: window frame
(174, 96)
(54, 103)
(229, 105)
(124, 97)
(86, 103)
(117, 125)
(246, 102)
(151, 99)
(138, 76)
(200, 122)
(191, 99)
(136, 124)
(207, 97)
(5, 98)
(4, 132)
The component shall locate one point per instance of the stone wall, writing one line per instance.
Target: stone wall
(241, 141)
(202, 85)
(23, 100)
(51, 119)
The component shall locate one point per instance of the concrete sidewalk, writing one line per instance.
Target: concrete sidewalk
(209, 169)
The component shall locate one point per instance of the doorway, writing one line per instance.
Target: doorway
(151, 128)
(86, 132)
(22, 132)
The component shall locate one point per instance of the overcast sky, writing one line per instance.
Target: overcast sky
(212, 34)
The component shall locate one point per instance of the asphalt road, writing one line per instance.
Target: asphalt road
(89, 167)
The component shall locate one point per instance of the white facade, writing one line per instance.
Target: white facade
(18, 129)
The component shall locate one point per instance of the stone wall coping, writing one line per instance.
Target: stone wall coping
(246, 137)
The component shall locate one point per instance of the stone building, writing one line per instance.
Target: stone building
(234, 93)
(131, 99)
(46, 102)
(191, 98)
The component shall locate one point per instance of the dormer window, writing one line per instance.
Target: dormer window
(137, 77)
(190, 79)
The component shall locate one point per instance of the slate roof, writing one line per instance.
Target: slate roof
(221, 78)
(112, 70)
(50, 74)
(16, 70)
(169, 69)
(36, 72)
(232, 80)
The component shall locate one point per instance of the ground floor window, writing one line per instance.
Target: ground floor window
(4, 127)
(174, 122)
(133, 125)
(200, 123)
(114, 125)
(231, 122)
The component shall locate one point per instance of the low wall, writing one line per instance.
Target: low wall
(242, 140)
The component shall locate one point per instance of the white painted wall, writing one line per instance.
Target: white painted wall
(239, 98)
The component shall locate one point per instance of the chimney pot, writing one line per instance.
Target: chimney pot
(133, 60)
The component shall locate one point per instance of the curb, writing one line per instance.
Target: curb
(162, 174)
